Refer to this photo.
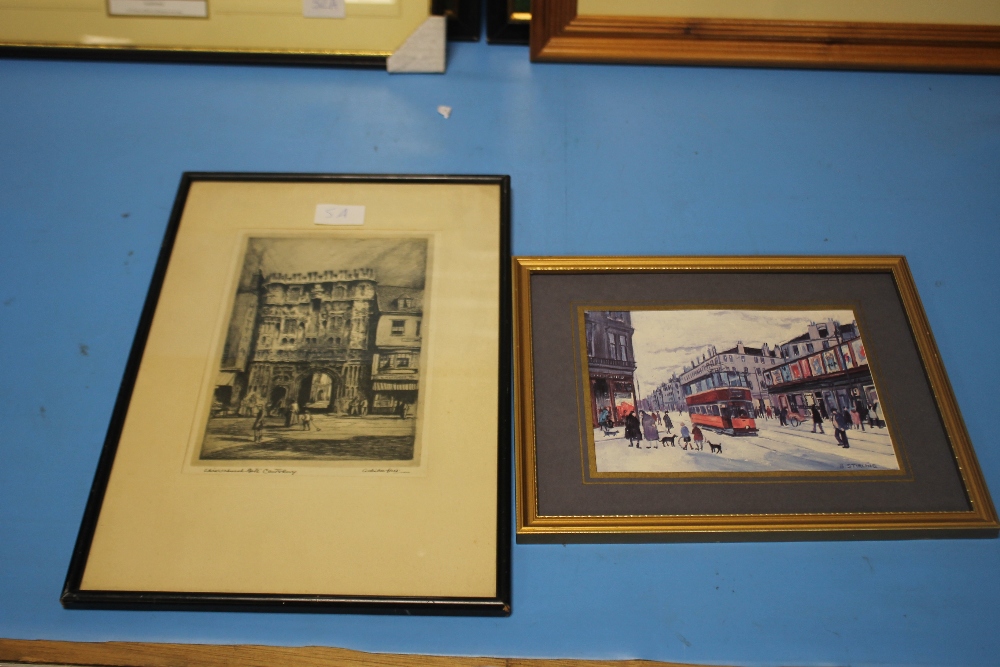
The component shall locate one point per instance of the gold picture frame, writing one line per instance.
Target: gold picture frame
(885, 35)
(558, 497)
(338, 32)
(284, 437)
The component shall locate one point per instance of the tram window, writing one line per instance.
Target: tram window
(715, 410)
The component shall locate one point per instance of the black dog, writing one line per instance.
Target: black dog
(716, 448)
(668, 440)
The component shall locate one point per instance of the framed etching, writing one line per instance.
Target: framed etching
(285, 435)
(361, 33)
(735, 398)
(961, 35)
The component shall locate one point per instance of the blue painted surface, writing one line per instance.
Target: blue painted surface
(604, 160)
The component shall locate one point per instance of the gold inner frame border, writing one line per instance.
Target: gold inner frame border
(980, 520)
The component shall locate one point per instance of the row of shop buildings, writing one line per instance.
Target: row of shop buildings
(825, 366)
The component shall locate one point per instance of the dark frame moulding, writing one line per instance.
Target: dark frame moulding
(74, 598)
(463, 21)
(559, 34)
(504, 25)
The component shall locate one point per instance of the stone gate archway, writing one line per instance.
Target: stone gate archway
(306, 390)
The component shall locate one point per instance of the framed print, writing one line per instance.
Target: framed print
(507, 21)
(464, 17)
(726, 398)
(285, 437)
(960, 35)
(362, 33)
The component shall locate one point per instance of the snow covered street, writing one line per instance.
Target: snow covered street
(776, 448)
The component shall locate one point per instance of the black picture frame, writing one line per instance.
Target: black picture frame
(503, 26)
(464, 18)
(73, 597)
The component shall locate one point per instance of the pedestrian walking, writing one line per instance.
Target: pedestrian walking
(306, 420)
(603, 421)
(667, 424)
(841, 423)
(874, 419)
(649, 431)
(294, 413)
(817, 419)
(783, 416)
(685, 435)
(699, 439)
(632, 431)
(767, 412)
(862, 409)
(855, 419)
(258, 425)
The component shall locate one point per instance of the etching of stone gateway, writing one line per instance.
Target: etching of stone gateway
(312, 342)
(322, 364)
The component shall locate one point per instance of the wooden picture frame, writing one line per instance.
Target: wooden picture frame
(366, 34)
(892, 39)
(911, 473)
(282, 439)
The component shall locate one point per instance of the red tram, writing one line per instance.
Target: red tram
(720, 401)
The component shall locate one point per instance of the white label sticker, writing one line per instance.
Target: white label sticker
(323, 9)
(335, 214)
(185, 8)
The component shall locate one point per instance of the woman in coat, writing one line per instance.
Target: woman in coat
(632, 429)
(667, 424)
(649, 429)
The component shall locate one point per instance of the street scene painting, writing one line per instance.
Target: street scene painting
(321, 360)
(746, 391)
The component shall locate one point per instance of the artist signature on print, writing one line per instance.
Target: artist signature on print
(389, 471)
(855, 466)
(253, 471)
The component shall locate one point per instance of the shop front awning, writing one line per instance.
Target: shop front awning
(394, 386)
(225, 379)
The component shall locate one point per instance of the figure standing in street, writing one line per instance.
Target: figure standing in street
(293, 413)
(841, 423)
(632, 431)
(685, 435)
(862, 409)
(602, 420)
(649, 431)
(699, 439)
(306, 420)
(667, 424)
(817, 419)
(258, 426)
(783, 416)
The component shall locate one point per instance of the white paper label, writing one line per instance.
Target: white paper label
(336, 214)
(323, 9)
(185, 8)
